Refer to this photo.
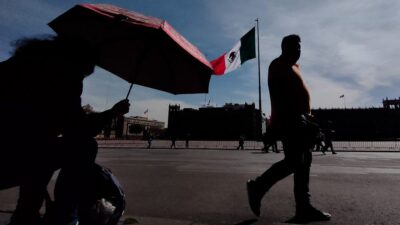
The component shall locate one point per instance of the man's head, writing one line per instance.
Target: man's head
(291, 48)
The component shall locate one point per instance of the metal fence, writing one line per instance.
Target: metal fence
(367, 145)
(379, 146)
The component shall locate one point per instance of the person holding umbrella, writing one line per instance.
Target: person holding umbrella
(43, 81)
(44, 127)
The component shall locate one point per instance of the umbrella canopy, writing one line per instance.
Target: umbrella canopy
(142, 50)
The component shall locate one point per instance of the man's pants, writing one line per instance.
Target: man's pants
(74, 179)
(298, 158)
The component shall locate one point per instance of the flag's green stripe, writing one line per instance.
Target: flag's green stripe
(248, 46)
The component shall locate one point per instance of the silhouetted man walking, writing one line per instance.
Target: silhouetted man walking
(328, 141)
(290, 104)
(241, 143)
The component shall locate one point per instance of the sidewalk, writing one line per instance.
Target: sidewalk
(339, 146)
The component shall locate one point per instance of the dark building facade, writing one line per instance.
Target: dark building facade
(363, 123)
(215, 123)
(233, 120)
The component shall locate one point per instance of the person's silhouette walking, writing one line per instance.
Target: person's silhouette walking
(290, 102)
(149, 140)
(319, 141)
(269, 141)
(173, 141)
(241, 143)
(187, 139)
(328, 141)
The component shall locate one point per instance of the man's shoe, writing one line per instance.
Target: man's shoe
(254, 197)
(310, 215)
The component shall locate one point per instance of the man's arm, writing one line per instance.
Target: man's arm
(97, 121)
(279, 92)
(89, 125)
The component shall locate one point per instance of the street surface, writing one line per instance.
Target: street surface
(358, 146)
(207, 187)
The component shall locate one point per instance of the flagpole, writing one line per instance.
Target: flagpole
(259, 75)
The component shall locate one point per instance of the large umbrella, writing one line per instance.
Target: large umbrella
(140, 49)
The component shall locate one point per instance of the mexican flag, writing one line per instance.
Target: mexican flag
(244, 50)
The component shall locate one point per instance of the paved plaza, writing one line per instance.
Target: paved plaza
(346, 146)
(207, 187)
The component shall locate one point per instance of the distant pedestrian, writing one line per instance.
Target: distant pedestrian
(269, 141)
(319, 142)
(241, 143)
(173, 141)
(149, 141)
(187, 138)
(328, 141)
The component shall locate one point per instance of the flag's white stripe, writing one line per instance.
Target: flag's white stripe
(234, 53)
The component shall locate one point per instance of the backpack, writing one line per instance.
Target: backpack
(106, 201)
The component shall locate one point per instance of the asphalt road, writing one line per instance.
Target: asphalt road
(207, 187)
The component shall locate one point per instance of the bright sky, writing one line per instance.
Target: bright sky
(349, 47)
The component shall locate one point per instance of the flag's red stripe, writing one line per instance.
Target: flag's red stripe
(219, 65)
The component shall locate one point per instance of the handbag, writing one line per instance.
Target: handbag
(309, 127)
